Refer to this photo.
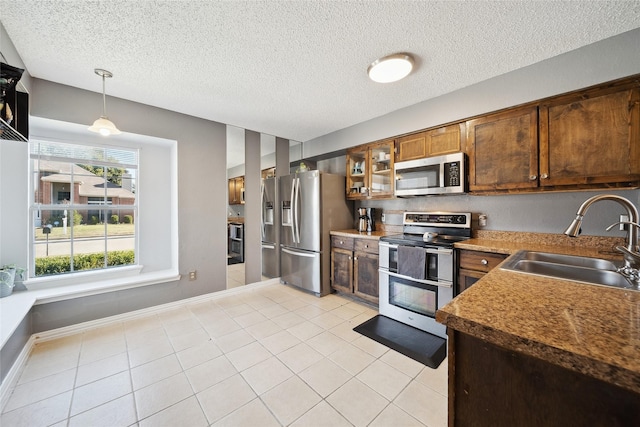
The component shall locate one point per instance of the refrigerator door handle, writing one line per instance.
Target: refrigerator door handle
(262, 208)
(293, 202)
(302, 254)
(296, 201)
(266, 246)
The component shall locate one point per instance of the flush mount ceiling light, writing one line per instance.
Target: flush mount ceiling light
(391, 68)
(103, 125)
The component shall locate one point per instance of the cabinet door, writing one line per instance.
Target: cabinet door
(232, 191)
(365, 282)
(357, 182)
(466, 278)
(240, 189)
(591, 138)
(445, 140)
(381, 180)
(503, 150)
(341, 270)
(411, 147)
(474, 265)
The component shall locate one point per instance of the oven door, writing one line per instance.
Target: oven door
(413, 302)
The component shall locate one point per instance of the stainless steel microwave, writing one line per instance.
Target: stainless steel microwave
(431, 175)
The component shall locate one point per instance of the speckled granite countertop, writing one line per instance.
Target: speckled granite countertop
(374, 235)
(591, 329)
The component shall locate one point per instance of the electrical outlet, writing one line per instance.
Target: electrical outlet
(623, 218)
(382, 218)
(192, 275)
(482, 220)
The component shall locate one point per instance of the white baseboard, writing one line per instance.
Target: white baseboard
(13, 375)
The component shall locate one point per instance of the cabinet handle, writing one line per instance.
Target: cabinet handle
(544, 176)
(355, 258)
(484, 262)
(341, 242)
(349, 257)
(533, 178)
(366, 246)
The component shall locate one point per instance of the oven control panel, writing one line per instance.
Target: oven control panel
(440, 219)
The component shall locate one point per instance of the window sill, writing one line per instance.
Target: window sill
(16, 306)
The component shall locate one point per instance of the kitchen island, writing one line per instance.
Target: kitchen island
(531, 350)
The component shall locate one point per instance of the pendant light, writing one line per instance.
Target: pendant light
(391, 68)
(103, 125)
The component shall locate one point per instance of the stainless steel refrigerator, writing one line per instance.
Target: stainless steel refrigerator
(270, 219)
(311, 205)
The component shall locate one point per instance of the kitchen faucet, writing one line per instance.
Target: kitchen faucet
(631, 252)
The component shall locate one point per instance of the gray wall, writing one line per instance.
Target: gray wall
(599, 62)
(252, 234)
(540, 212)
(603, 61)
(201, 165)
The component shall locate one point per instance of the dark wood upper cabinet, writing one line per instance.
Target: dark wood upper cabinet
(588, 139)
(591, 137)
(503, 150)
(236, 187)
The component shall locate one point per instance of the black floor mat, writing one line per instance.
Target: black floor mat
(422, 346)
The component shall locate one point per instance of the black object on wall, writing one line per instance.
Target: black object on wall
(14, 105)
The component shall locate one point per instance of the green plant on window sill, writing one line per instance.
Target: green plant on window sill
(7, 278)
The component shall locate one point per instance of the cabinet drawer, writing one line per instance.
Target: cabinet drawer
(480, 261)
(366, 245)
(342, 242)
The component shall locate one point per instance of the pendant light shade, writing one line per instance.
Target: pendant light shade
(103, 125)
(391, 68)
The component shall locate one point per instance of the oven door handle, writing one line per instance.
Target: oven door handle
(439, 251)
(426, 282)
(388, 245)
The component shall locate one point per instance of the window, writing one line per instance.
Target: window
(84, 207)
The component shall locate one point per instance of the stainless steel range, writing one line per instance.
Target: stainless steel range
(417, 268)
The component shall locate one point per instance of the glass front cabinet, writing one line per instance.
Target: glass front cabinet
(370, 171)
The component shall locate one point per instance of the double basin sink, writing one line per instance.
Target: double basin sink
(568, 267)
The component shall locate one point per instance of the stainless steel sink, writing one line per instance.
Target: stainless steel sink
(570, 260)
(568, 267)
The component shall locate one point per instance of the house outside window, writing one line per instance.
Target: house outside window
(84, 207)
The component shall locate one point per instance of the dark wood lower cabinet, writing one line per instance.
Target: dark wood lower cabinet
(365, 276)
(354, 267)
(495, 387)
(341, 269)
(474, 265)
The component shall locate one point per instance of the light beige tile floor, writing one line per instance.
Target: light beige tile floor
(235, 276)
(262, 356)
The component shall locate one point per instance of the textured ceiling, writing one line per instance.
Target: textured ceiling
(295, 69)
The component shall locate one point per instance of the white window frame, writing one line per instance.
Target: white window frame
(156, 230)
(35, 208)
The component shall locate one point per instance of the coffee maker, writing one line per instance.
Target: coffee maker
(366, 219)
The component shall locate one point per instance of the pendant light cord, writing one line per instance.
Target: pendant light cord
(104, 98)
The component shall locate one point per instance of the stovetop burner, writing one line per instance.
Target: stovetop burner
(448, 227)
